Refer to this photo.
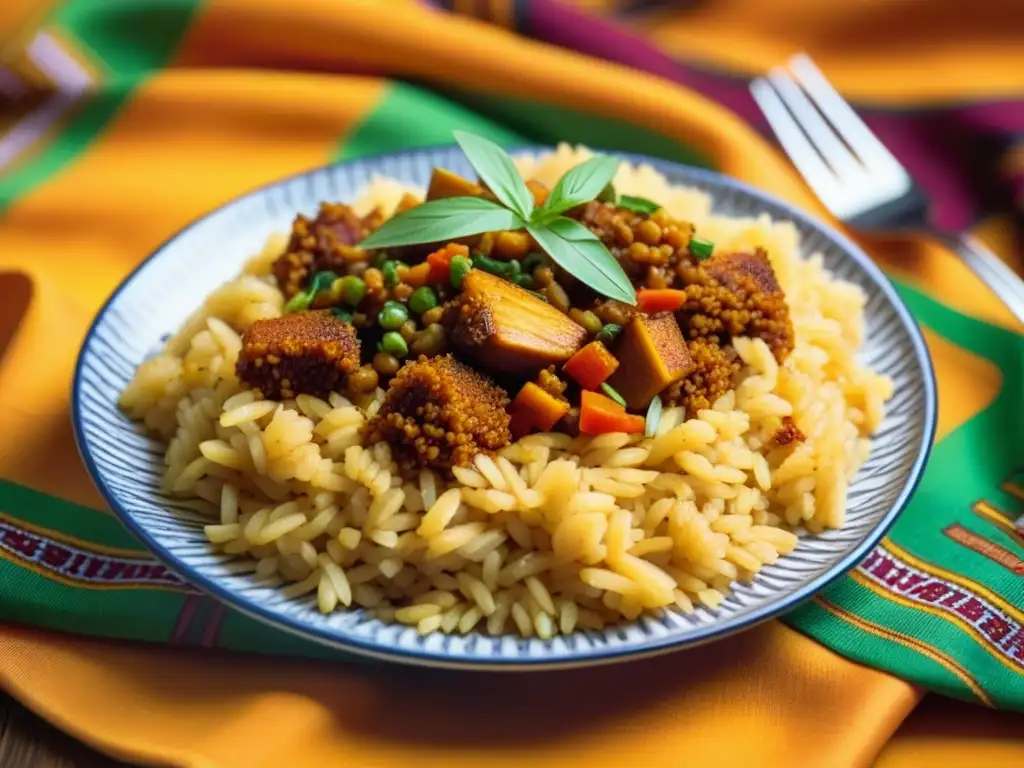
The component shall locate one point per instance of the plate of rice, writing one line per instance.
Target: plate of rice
(468, 409)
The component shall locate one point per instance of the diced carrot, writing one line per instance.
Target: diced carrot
(419, 274)
(600, 414)
(441, 259)
(659, 299)
(591, 365)
(535, 408)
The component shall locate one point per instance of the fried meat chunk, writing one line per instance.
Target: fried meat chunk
(301, 353)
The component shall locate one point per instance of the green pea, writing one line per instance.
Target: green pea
(392, 315)
(390, 271)
(422, 299)
(393, 344)
(591, 322)
(352, 289)
(379, 258)
(608, 333)
(458, 269)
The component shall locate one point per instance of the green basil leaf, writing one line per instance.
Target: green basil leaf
(580, 185)
(638, 204)
(498, 171)
(653, 416)
(578, 251)
(446, 219)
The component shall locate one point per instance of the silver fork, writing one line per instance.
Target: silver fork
(855, 176)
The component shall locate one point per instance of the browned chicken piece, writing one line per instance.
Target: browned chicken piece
(327, 242)
(509, 330)
(302, 353)
(711, 377)
(439, 413)
(736, 294)
(652, 355)
(743, 271)
(788, 433)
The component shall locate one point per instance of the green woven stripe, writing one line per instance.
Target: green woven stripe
(128, 39)
(998, 680)
(413, 116)
(874, 651)
(138, 614)
(981, 454)
(408, 116)
(47, 511)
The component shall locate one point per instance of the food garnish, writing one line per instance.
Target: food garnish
(569, 244)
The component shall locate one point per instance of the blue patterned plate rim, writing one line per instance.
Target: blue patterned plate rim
(688, 175)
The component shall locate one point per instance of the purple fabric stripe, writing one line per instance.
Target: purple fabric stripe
(941, 149)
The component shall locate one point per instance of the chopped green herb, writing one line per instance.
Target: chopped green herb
(393, 344)
(392, 315)
(390, 271)
(352, 289)
(506, 269)
(639, 205)
(533, 259)
(608, 333)
(300, 302)
(321, 282)
(342, 313)
(422, 299)
(608, 194)
(701, 248)
(539, 295)
(524, 281)
(653, 416)
(614, 395)
(458, 269)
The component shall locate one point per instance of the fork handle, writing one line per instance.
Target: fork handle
(992, 270)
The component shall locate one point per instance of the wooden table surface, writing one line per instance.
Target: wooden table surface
(29, 742)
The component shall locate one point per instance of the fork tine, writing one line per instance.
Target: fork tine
(807, 160)
(849, 125)
(832, 149)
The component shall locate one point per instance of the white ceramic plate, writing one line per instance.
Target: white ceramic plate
(155, 299)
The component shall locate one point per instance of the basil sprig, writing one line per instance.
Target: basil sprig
(578, 251)
(498, 172)
(570, 244)
(444, 219)
(579, 185)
